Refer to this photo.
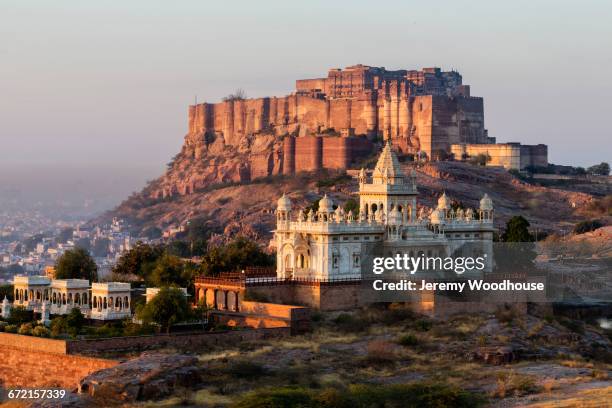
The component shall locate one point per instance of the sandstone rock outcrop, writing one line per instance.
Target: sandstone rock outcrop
(150, 376)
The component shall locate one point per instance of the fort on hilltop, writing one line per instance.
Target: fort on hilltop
(332, 122)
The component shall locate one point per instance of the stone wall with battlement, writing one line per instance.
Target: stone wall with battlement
(508, 155)
(420, 110)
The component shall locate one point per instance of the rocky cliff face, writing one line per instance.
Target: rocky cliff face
(247, 145)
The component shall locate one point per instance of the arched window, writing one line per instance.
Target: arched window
(26, 295)
(77, 299)
(70, 298)
(105, 305)
(110, 302)
(95, 301)
(84, 299)
(17, 294)
(126, 302)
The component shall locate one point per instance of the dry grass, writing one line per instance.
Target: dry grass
(549, 384)
(509, 383)
(599, 374)
(381, 352)
(599, 397)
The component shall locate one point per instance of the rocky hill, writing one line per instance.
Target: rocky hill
(247, 208)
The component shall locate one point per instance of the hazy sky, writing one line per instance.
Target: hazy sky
(108, 82)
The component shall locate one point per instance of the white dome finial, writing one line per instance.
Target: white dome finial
(486, 204)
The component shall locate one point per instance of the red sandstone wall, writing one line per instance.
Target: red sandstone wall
(308, 153)
(336, 153)
(37, 362)
(274, 310)
(289, 155)
(323, 297)
(20, 368)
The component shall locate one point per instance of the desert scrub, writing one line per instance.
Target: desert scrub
(513, 384)
(408, 340)
(246, 369)
(25, 329)
(41, 331)
(420, 394)
(381, 352)
(573, 325)
(507, 314)
(423, 325)
(348, 323)
(11, 328)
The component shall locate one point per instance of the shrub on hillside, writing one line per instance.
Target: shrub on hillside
(25, 329)
(246, 369)
(348, 323)
(423, 325)
(11, 328)
(58, 326)
(408, 340)
(587, 226)
(41, 331)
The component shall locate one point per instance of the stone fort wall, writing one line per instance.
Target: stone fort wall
(37, 362)
(427, 123)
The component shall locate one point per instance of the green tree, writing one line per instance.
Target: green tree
(178, 248)
(168, 271)
(76, 264)
(587, 226)
(20, 315)
(517, 230)
(236, 255)
(75, 321)
(196, 236)
(517, 252)
(601, 169)
(139, 260)
(168, 307)
(58, 326)
(6, 291)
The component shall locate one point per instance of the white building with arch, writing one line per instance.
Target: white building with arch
(100, 301)
(330, 244)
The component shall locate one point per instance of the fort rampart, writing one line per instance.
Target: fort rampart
(40, 362)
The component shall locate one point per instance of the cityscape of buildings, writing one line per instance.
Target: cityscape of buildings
(28, 246)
